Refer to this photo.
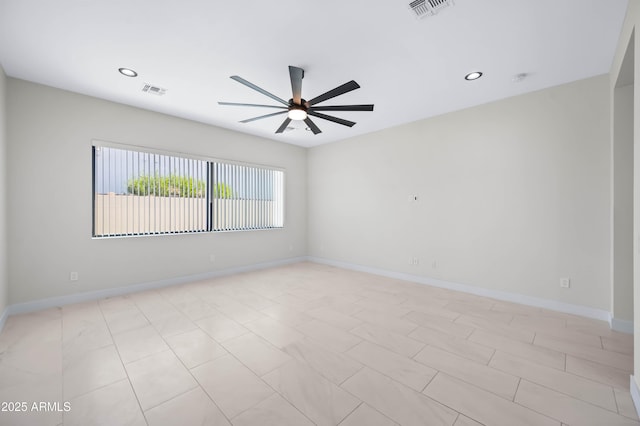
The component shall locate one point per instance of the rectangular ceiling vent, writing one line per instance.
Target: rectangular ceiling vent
(424, 8)
(155, 90)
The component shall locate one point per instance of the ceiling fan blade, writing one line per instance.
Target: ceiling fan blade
(251, 105)
(332, 118)
(284, 125)
(312, 126)
(258, 89)
(347, 87)
(296, 74)
(248, 120)
(342, 108)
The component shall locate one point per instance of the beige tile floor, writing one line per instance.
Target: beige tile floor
(311, 344)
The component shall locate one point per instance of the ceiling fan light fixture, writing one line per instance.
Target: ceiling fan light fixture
(473, 76)
(297, 114)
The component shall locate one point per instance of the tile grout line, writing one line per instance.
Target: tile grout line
(195, 378)
(572, 397)
(350, 412)
(93, 350)
(517, 388)
(386, 375)
(495, 350)
(123, 364)
(430, 380)
(536, 411)
(470, 383)
(615, 399)
(275, 391)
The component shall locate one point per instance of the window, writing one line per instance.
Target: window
(246, 197)
(147, 193)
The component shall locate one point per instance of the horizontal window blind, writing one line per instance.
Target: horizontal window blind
(146, 193)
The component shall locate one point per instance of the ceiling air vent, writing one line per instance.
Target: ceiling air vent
(424, 8)
(155, 90)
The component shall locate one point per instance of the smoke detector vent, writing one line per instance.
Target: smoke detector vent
(155, 90)
(424, 8)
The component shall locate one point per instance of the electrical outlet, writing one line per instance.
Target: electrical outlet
(73, 276)
(565, 282)
(212, 258)
(434, 264)
(414, 261)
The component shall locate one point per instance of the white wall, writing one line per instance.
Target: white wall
(4, 275)
(49, 197)
(512, 196)
(632, 21)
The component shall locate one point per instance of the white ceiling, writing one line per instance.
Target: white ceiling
(409, 68)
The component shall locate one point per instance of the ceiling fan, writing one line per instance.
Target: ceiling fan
(300, 109)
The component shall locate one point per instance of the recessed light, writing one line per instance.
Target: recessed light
(473, 76)
(128, 72)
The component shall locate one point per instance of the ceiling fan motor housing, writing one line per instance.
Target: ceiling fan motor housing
(303, 104)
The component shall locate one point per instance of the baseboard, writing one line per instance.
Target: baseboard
(635, 394)
(538, 302)
(37, 305)
(623, 326)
